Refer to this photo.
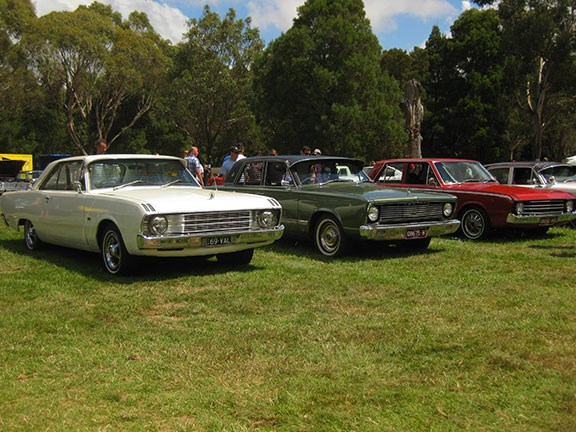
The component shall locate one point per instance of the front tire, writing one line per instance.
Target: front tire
(329, 237)
(239, 258)
(115, 257)
(475, 224)
(31, 238)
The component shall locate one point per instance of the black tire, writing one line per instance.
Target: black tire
(239, 258)
(475, 223)
(329, 237)
(115, 257)
(31, 238)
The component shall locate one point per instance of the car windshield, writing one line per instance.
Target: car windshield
(119, 173)
(561, 173)
(463, 172)
(329, 170)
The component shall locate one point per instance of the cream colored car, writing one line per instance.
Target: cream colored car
(124, 206)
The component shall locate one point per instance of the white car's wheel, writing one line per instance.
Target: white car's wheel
(329, 237)
(242, 257)
(115, 257)
(31, 238)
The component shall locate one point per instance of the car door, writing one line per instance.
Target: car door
(62, 217)
(270, 178)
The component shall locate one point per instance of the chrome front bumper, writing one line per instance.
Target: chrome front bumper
(400, 232)
(238, 240)
(543, 220)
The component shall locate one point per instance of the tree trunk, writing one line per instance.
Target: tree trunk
(413, 116)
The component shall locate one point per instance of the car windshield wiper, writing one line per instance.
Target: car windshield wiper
(127, 184)
(172, 182)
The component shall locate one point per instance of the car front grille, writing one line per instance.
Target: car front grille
(543, 207)
(411, 212)
(197, 223)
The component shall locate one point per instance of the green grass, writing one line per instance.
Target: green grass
(477, 336)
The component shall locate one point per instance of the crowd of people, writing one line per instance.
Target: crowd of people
(203, 172)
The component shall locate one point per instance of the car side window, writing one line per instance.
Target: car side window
(391, 173)
(277, 174)
(64, 176)
(252, 174)
(417, 173)
(501, 174)
(522, 176)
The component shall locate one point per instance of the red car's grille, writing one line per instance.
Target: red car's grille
(544, 207)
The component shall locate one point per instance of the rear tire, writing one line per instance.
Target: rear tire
(31, 238)
(115, 257)
(239, 258)
(475, 223)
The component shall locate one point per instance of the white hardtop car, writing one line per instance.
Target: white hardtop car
(124, 206)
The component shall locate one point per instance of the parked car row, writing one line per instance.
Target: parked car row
(125, 206)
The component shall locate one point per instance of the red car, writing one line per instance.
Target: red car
(483, 203)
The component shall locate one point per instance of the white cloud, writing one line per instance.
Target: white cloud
(382, 13)
(168, 21)
(277, 14)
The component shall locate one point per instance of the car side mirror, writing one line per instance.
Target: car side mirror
(78, 186)
(432, 182)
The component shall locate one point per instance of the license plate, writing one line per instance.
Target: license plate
(548, 221)
(218, 241)
(416, 234)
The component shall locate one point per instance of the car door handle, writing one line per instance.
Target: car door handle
(47, 198)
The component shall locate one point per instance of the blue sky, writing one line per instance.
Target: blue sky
(397, 23)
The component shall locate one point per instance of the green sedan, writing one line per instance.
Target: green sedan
(331, 201)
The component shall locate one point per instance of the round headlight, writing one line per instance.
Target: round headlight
(373, 213)
(519, 208)
(267, 219)
(569, 206)
(158, 225)
(447, 209)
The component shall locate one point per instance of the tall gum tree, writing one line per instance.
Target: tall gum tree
(211, 83)
(540, 36)
(93, 63)
(320, 84)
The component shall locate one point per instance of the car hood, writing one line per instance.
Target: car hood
(179, 199)
(376, 193)
(516, 192)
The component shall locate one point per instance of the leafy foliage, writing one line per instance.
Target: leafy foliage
(320, 85)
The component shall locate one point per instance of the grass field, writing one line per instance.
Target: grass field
(477, 336)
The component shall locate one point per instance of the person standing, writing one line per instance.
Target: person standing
(234, 152)
(101, 146)
(194, 165)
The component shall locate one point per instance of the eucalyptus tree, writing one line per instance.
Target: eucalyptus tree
(211, 83)
(20, 92)
(320, 84)
(539, 34)
(92, 64)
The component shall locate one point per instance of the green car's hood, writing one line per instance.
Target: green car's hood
(375, 193)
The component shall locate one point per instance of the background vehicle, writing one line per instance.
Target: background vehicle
(483, 203)
(124, 206)
(331, 201)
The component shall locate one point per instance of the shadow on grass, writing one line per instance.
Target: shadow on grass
(357, 251)
(146, 268)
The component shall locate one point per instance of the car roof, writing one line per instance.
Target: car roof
(292, 159)
(537, 165)
(426, 160)
(92, 158)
